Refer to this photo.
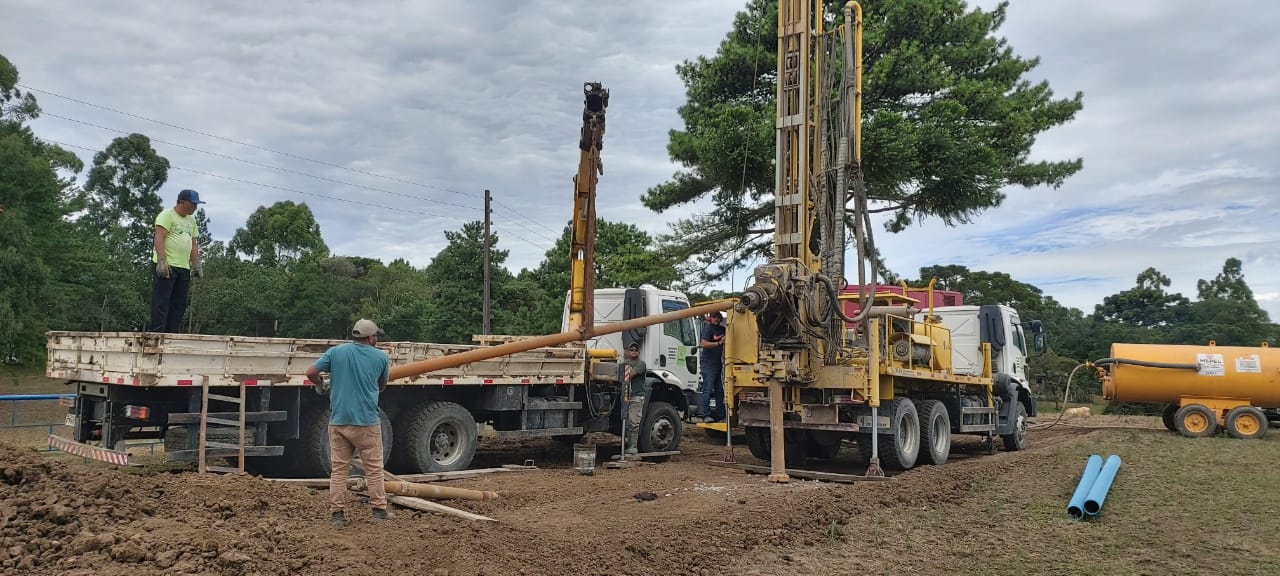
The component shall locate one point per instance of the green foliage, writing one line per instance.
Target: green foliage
(950, 119)
(280, 235)
(456, 277)
(122, 198)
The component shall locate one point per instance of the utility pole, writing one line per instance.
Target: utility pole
(487, 247)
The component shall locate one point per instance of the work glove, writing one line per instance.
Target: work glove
(162, 268)
(198, 269)
(322, 387)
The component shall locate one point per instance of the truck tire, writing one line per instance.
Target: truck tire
(1246, 423)
(1195, 421)
(758, 442)
(436, 437)
(900, 449)
(1167, 417)
(308, 456)
(823, 444)
(1017, 440)
(935, 432)
(760, 445)
(660, 429)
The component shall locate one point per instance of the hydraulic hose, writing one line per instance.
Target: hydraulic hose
(1148, 364)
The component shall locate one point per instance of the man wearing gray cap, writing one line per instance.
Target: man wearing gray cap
(358, 371)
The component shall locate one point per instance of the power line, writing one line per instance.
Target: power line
(282, 188)
(260, 164)
(265, 149)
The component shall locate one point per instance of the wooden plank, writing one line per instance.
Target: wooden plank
(181, 455)
(806, 474)
(426, 477)
(429, 506)
(646, 454)
(537, 433)
(194, 417)
(224, 398)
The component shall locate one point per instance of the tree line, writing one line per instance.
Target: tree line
(950, 120)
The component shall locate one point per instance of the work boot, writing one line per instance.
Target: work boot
(381, 515)
(339, 519)
(632, 450)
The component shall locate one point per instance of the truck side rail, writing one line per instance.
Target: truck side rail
(151, 359)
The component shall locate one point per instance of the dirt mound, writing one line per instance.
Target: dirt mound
(58, 518)
(67, 518)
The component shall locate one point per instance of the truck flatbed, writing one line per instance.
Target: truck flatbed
(161, 360)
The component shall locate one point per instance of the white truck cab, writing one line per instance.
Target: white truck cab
(670, 350)
(998, 325)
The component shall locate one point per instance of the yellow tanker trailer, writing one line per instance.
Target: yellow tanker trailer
(1205, 387)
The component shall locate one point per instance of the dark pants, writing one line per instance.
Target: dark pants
(169, 300)
(712, 387)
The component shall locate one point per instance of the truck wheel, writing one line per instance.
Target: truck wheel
(901, 448)
(437, 437)
(660, 429)
(824, 444)
(308, 456)
(758, 442)
(1246, 423)
(935, 432)
(1017, 440)
(1195, 421)
(796, 441)
(1167, 417)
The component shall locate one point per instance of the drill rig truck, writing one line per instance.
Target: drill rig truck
(802, 374)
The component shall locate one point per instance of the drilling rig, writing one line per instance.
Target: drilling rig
(803, 370)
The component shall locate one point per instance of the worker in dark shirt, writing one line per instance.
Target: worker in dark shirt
(711, 368)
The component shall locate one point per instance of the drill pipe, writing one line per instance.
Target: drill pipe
(430, 491)
(475, 355)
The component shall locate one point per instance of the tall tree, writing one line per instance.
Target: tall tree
(1146, 305)
(35, 240)
(950, 119)
(456, 276)
(280, 235)
(122, 195)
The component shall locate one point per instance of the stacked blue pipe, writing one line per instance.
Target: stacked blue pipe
(1094, 485)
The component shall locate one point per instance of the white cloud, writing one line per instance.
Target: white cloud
(1178, 135)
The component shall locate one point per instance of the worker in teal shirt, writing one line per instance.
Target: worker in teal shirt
(358, 372)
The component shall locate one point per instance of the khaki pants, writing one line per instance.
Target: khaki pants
(635, 415)
(344, 441)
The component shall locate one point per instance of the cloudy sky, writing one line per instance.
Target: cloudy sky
(409, 110)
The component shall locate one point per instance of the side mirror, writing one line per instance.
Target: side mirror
(1037, 342)
(1037, 327)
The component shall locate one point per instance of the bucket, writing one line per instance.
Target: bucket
(584, 459)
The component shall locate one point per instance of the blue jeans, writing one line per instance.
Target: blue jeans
(712, 383)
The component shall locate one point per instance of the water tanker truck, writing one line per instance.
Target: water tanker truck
(1205, 388)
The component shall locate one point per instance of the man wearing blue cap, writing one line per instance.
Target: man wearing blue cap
(177, 257)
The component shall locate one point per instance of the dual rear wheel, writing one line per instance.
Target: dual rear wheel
(1199, 421)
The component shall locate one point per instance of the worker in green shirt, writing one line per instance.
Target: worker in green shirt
(176, 257)
(637, 388)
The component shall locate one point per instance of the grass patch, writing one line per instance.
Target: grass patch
(1178, 506)
(30, 380)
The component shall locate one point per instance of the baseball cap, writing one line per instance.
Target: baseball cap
(365, 328)
(190, 196)
(633, 346)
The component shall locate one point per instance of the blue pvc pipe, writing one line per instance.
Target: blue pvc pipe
(1075, 508)
(1098, 493)
(22, 397)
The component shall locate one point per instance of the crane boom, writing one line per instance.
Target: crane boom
(583, 226)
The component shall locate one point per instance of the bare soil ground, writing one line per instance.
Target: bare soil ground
(1179, 506)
